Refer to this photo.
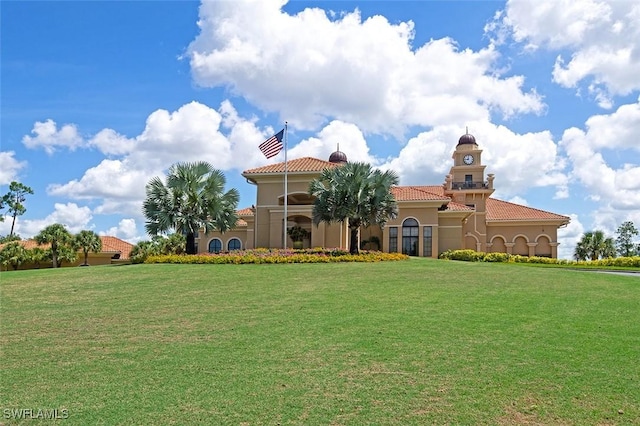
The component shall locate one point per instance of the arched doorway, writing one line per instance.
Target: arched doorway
(410, 233)
(299, 222)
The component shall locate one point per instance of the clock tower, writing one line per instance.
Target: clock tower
(466, 184)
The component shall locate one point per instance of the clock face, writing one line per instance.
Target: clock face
(468, 159)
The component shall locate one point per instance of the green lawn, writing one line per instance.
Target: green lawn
(414, 342)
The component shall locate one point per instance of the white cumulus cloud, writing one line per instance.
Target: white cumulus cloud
(49, 137)
(614, 185)
(75, 218)
(312, 68)
(601, 36)
(125, 230)
(9, 167)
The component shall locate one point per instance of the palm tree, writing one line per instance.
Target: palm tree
(173, 244)
(355, 193)
(13, 254)
(67, 253)
(142, 250)
(36, 255)
(192, 199)
(87, 241)
(58, 236)
(593, 246)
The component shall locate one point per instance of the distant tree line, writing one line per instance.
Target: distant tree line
(63, 247)
(595, 245)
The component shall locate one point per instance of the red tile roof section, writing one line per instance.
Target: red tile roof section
(416, 193)
(503, 210)
(247, 211)
(113, 244)
(299, 165)
(453, 206)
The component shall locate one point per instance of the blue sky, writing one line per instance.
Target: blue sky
(99, 97)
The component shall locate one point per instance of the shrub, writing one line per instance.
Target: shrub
(497, 257)
(476, 256)
(465, 255)
(260, 256)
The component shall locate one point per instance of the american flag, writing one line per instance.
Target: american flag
(272, 146)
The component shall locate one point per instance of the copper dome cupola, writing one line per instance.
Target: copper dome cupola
(338, 156)
(467, 139)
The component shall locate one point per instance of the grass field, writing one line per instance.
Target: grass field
(415, 342)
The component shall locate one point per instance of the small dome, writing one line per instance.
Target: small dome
(467, 139)
(338, 157)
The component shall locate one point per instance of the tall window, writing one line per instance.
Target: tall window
(215, 246)
(468, 181)
(410, 232)
(234, 244)
(393, 239)
(427, 240)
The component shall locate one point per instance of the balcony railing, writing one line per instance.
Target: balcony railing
(469, 185)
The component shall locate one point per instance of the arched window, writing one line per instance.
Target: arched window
(234, 244)
(410, 232)
(215, 246)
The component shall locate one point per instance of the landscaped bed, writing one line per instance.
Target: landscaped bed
(317, 255)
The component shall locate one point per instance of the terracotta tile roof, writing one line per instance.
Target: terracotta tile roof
(435, 189)
(299, 165)
(29, 244)
(416, 193)
(498, 210)
(453, 206)
(115, 245)
(247, 211)
(109, 245)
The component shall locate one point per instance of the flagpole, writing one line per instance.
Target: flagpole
(286, 196)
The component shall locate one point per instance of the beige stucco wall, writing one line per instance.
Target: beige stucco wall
(239, 233)
(528, 239)
(450, 234)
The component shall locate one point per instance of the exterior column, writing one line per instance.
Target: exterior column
(509, 247)
(554, 250)
(532, 249)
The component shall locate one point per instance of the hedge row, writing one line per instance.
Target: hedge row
(259, 256)
(477, 256)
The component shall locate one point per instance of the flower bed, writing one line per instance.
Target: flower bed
(477, 256)
(258, 256)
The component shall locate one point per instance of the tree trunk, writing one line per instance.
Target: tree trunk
(54, 255)
(353, 244)
(191, 243)
(13, 223)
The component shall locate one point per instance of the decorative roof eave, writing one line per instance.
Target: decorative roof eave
(530, 221)
(462, 214)
(423, 203)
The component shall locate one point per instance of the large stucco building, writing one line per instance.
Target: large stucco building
(459, 214)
